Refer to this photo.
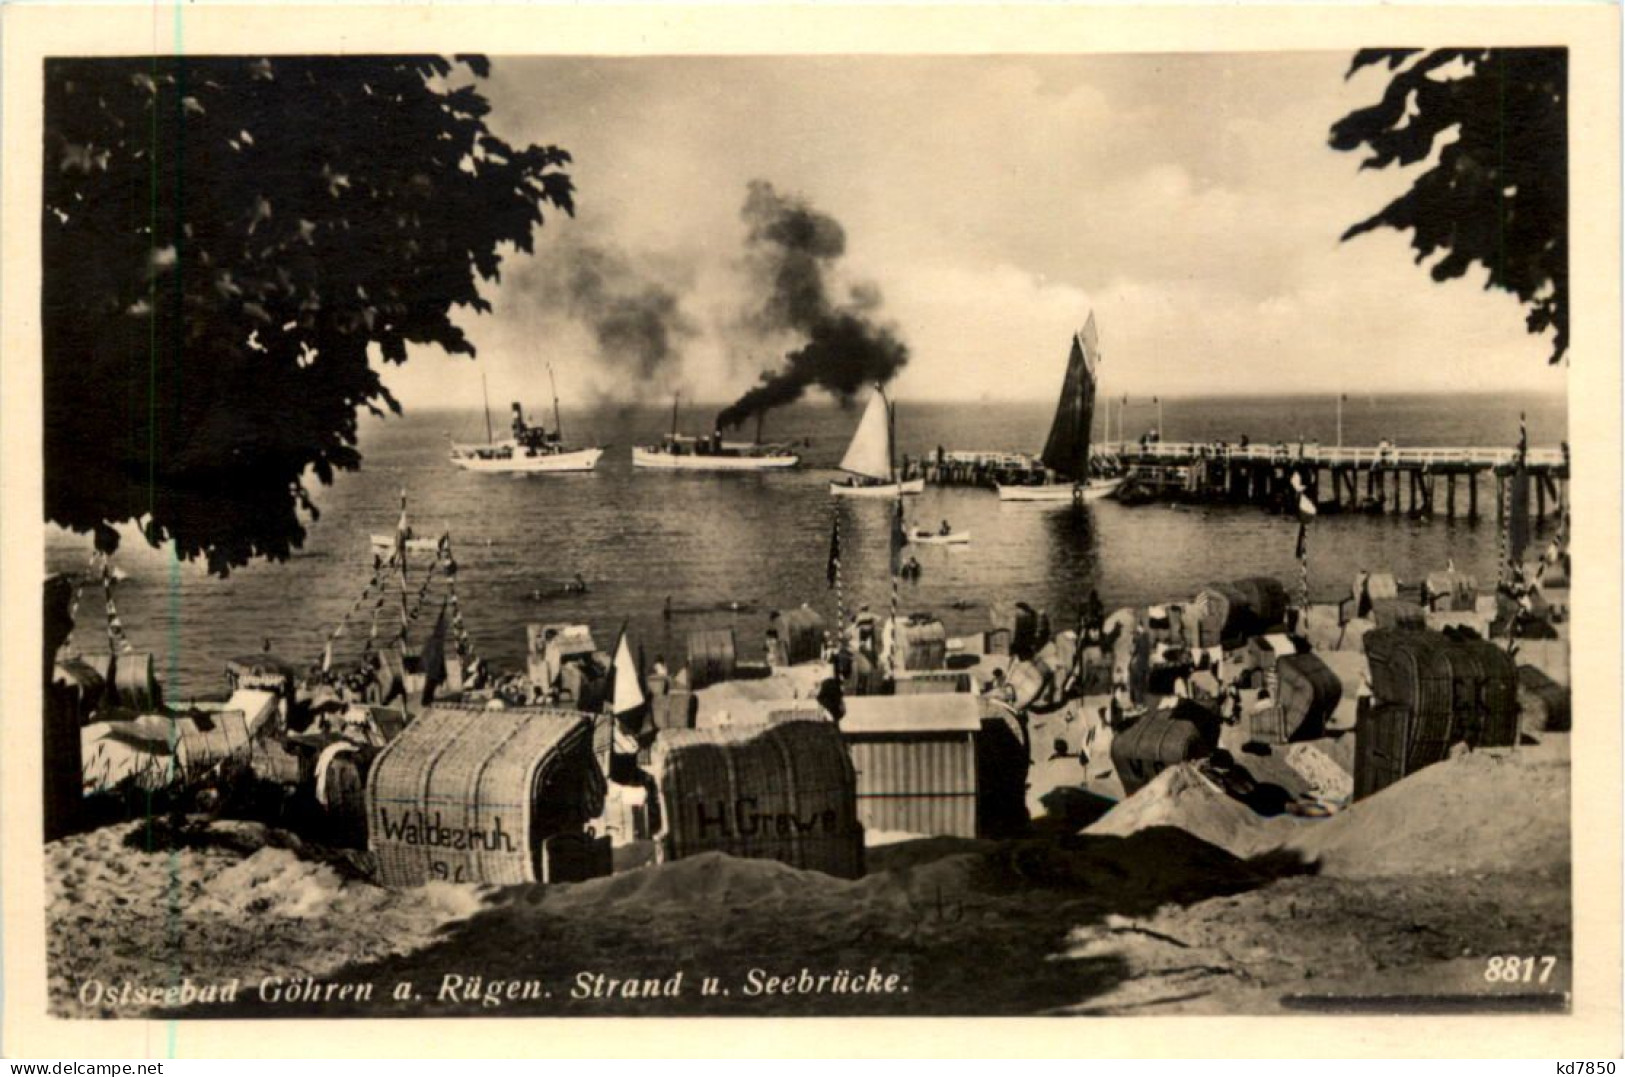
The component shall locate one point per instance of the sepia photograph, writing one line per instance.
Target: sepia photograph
(562, 533)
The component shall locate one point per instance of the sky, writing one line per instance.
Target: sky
(1190, 201)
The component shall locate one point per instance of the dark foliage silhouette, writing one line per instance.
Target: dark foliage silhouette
(225, 242)
(1497, 195)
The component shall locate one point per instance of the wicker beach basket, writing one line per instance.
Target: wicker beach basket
(467, 794)
(783, 792)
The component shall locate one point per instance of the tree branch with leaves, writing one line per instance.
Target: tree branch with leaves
(1495, 123)
(231, 246)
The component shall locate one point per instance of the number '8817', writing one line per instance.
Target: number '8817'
(1519, 970)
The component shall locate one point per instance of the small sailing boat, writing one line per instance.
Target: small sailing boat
(922, 537)
(677, 452)
(385, 544)
(1067, 451)
(531, 450)
(869, 458)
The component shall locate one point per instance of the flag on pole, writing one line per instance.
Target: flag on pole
(434, 658)
(1306, 504)
(833, 572)
(627, 695)
(1306, 511)
(615, 734)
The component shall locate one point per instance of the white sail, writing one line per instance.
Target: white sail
(869, 455)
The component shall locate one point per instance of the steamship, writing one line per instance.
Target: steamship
(679, 452)
(532, 450)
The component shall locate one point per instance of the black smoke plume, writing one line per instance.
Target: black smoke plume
(792, 250)
(636, 319)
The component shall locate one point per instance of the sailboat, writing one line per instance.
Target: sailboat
(677, 452)
(1067, 451)
(531, 450)
(869, 458)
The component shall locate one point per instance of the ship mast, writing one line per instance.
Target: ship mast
(674, 399)
(891, 433)
(558, 424)
(1087, 423)
(490, 437)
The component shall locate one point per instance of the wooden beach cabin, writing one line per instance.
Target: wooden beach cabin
(926, 766)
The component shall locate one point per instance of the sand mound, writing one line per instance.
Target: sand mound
(1483, 812)
(708, 880)
(1181, 797)
(272, 882)
(915, 854)
(213, 900)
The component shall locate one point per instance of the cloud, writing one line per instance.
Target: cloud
(1191, 200)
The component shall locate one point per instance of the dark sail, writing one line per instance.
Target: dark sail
(1067, 450)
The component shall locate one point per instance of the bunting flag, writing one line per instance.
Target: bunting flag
(1518, 497)
(838, 634)
(118, 641)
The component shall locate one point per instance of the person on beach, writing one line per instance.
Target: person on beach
(1000, 688)
(1362, 593)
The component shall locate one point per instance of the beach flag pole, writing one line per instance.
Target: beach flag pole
(834, 573)
(1306, 512)
(896, 554)
(896, 533)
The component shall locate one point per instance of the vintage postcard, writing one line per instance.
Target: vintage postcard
(1043, 525)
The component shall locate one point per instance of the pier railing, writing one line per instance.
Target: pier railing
(1340, 456)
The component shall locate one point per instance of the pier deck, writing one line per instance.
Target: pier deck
(1262, 473)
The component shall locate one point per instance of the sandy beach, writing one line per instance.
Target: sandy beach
(1171, 903)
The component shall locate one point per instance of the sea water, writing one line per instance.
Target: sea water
(711, 542)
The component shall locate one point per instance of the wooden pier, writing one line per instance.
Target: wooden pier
(1338, 478)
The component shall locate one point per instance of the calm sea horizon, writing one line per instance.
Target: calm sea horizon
(761, 541)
